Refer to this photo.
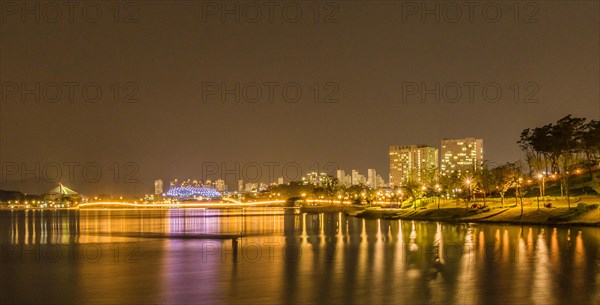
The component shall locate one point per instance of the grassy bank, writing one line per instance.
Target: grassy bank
(583, 211)
(554, 216)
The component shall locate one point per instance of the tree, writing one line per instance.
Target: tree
(356, 191)
(414, 190)
(486, 180)
(537, 144)
(596, 185)
(430, 176)
(566, 134)
(590, 145)
(331, 186)
(437, 190)
(396, 195)
(559, 145)
(450, 183)
(506, 176)
(520, 192)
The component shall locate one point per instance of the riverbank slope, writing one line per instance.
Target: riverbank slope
(583, 214)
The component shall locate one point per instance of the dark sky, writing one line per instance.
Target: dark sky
(163, 57)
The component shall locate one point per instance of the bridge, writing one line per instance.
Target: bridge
(232, 204)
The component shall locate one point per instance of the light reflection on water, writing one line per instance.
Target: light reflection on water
(287, 257)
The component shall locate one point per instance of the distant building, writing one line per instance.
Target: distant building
(251, 187)
(347, 180)
(371, 178)
(62, 193)
(461, 156)
(357, 178)
(189, 192)
(280, 181)
(173, 183)
(340, 174)
(158, 187)
(380, 181)
(311, 178)
(316, 178)
(240, 185)
(411, 163)
(343, 179)
(220, 185)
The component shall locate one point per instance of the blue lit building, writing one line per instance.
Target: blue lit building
(194, 192)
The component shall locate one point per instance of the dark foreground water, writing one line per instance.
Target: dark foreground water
(99, 256)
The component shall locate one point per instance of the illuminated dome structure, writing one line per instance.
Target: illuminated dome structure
(194, 192)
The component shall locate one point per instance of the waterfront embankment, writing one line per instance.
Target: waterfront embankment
(581, 214)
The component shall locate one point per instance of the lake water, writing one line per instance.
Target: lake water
(140, 256)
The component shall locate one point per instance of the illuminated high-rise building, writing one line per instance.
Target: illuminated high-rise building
(380, 181)
(372, 178)
(461, 156)
(411, 162)
(357, 178)
(158, 187)
(343, 179)
(341, 176)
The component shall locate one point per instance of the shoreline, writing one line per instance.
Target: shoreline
(582, 215)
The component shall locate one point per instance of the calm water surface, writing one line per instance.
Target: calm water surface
(140, 256)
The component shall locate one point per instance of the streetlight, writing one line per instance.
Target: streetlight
(437, 190)
(542, 188)
(469, 198)
(518, 193)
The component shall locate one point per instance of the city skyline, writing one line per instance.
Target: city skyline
(409, 162)
(218, 172)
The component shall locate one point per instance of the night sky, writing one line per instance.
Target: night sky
(166, 59)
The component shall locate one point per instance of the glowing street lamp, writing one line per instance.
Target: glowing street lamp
(518, 192)
(542, 188)
(437, 190)
(469, 186)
